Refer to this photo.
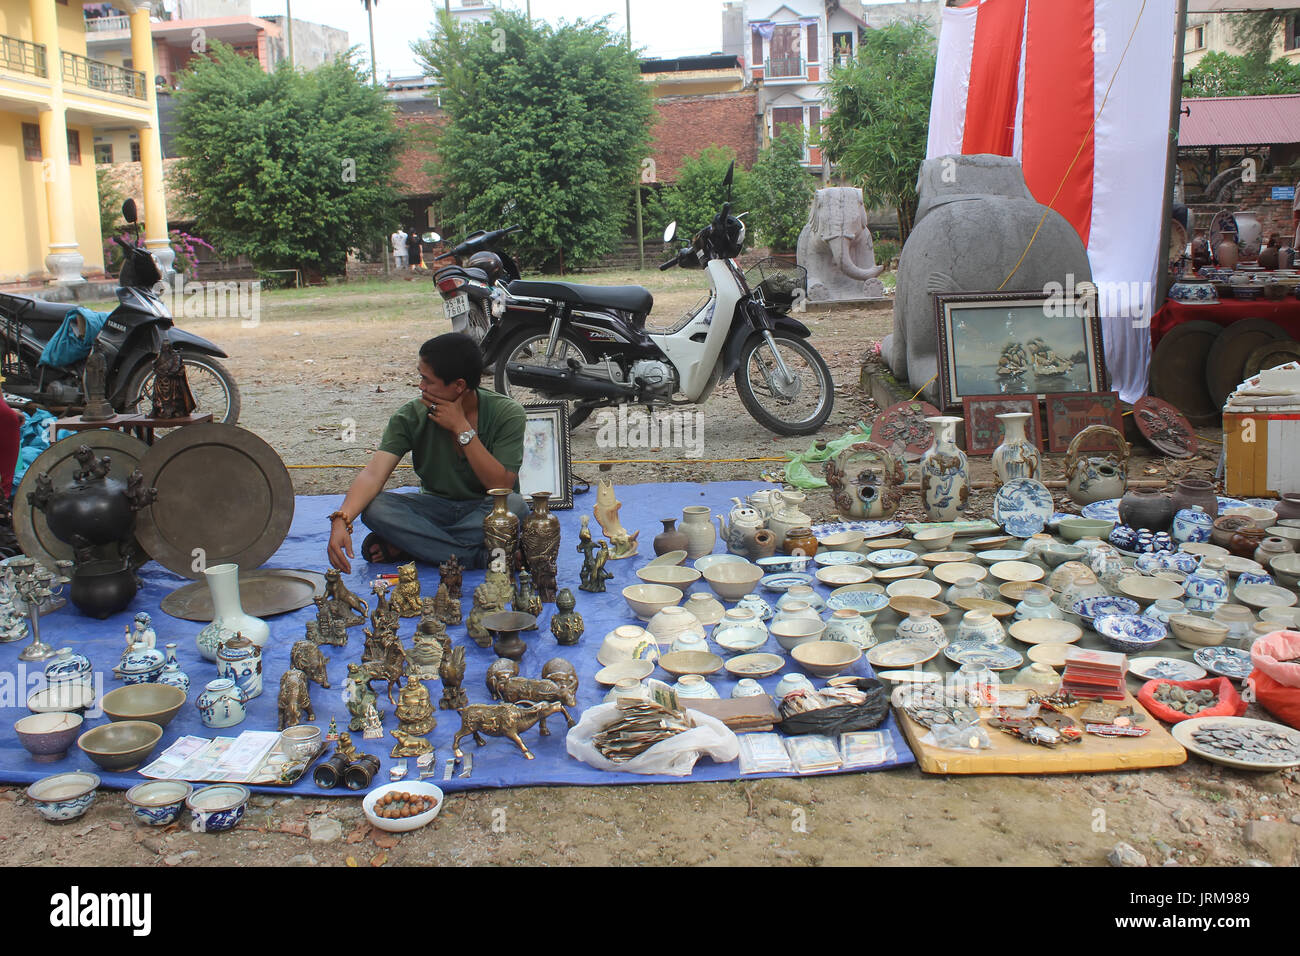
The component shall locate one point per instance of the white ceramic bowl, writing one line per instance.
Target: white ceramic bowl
(826, 658)
(673, 575)
(790, 634)
(404, 824)
(731, 582)
(647, 600)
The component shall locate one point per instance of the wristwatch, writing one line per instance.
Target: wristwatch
(466, 437)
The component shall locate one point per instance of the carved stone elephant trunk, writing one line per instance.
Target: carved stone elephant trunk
(835, 247)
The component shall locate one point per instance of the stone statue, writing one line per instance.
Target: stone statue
(964, 202)
(835, 247)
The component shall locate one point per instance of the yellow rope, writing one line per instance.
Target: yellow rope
(611, 461)
(932, 378)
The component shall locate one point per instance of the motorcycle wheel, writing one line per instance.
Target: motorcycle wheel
(213, 388)
(786, 410)
(525, 348)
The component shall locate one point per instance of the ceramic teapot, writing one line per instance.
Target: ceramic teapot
(787, 516)
(739, 528)
(866, 480)
(1099, 477)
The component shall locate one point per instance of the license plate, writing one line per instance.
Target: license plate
(458, 305)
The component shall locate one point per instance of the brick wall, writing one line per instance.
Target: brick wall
(1274, 214)
(688, 124)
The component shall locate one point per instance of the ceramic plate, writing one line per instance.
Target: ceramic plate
(935, 558)
(875, 529)
(1204, 549)
(840, 576)
(900, 574)
(1183, 733)
(867, 602)
(1045, 630)
(634, 670)
(1053, 655)
(1106, 510)
(906, 604)
(669, 557)
(1235, 565)
(996, 608)
(1164, 668)
(994, 557)
(905, 653)
(827, 559)
(996, 541)
(755, 665)
(1022, 507)
(925, 589)
(678, 663)
(960, 529)
(1261, 596)
(784, 580)
(1229, 662)
(892, 557)
(1016, 571)
(996, 657)
(909, 677)
(958, 571)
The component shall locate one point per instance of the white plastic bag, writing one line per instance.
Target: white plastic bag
(675, 756)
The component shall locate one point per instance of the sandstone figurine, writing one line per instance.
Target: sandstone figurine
(835, 247)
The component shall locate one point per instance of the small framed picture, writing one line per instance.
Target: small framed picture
(1069, 414)
(1018, 343)
(983, 430)
(547, 464)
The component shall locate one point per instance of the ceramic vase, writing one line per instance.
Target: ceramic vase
(221, 704)
(1094, 477)
(1146, 508)
(945, 475)
(172, 675)
(228, 617)
(1207, 588)
(540, 534)
(670, 539)
(1017, 456)
(787, 514)
(701, 536)
(1227, 254)
(920, 625)
(501, 528)
(1195, 491)
(240, 660)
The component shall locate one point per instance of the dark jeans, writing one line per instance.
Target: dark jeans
(431, 529)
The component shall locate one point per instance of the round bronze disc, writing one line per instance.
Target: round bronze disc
(262, 593)
(1224, 364)
(224, 497)
(1178, 370)
(1270, 355)
(1165, 428)
(906, 422)
(34, 535)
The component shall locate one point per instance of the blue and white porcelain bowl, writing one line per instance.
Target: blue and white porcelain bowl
(866, 603)
(1130, 633)
(1254, 577)
(157, 803)
(1163, 610)
(64, 796)
(1090, 609)
(762, 610)
(1193, 292)
(218, 807)
(782, 564)
(1123, 537)
(830, 559)
(1192, 526)
(1183, 561)
(892, 557)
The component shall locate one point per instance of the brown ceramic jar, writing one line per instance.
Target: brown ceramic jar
(670, 539)
(1288, 506)
(1246, 541)
(1227, 526)
(800, 539)
(1146, 508)
(1196, 491)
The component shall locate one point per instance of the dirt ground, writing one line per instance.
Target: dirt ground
(320, 373)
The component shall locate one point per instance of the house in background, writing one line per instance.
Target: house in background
(53, 95)
(700, 101)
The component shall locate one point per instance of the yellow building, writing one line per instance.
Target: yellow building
(52, 97)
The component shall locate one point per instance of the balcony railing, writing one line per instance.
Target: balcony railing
(779, 67)
(22, 56)
(107, 24)
(96, 75)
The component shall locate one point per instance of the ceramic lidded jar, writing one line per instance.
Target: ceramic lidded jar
(850, 627)
(1192, 525)
(140, 665)
(920, 625)
(1037, 605)
(1146, 508)
(1017, 456)
(240, 660)
(172, 675)
(697, 525)
(787, 514)
(221, 704)
(1270, 548)
(980, 626)
(945, 475)
(67, 669)
(228, 616)
(800, 541)
(670, 539)
(1195, 491)
(1207, 588)
(1090, 478)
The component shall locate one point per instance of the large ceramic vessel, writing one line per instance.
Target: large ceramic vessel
(1195, 491)
(1090, 478)
(698, 528)
(1146, 508)
(1016, 457)
(670, 539)
(228, 617)
(866, 481)
(945, 478)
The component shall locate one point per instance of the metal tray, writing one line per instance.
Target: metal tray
(264, 592)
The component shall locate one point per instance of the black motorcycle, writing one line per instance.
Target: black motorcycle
(129, 342)
(467, 284)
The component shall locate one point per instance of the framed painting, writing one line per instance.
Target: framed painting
(1017, 343)
(547, 464)
(1070, 413)
(983, 430)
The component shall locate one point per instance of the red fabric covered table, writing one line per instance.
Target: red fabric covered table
(1284, 312)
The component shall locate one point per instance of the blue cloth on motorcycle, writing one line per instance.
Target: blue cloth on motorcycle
(33, 438)
(65, 347)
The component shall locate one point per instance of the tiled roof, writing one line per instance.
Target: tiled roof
(1240, 121)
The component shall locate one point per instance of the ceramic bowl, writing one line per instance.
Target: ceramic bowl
(731, 582)
(628, 642)
(69, 698)
(63, 796)
(934, 539)
(1072, 529)
(1259, 596)
(790, 634)
(48, 736)
(672, 575)
(960, 571)
(1016, 571)
(157, 803)
(838, 576)
(1290, 535)
(157, 703)
(1286, 569)
(625, 670)
(826, 658)
(867, 599)
(669, 557)
(1130, 633)
(1285, 618)
(783, 564)
(992, 542)
(1261, 518)
(403, 824)
(739, 641)
(221, 807)
(891, 557)
(122, 745)
(842, 541)
(932, 559)
(838, 559)
(1147, 591)
(1094, 608)
(914, 588)
(713, 560)
(707, 609)
(690, 662)
(998, 555)
(1045, 630)
(755, 665)
(905, 604)
(647, 600)
(1192, 631)
(1056, 554)
(301, 741)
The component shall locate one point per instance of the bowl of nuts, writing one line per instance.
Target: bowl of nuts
(399, 807)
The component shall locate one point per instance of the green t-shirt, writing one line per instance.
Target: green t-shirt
(442, 470)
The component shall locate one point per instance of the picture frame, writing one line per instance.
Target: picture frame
(548, 462)
(1018, 343)
(984, 433)
(1071, 412)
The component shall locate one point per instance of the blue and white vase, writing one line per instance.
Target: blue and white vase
(945, 475)
(172, 675)
(1192, 526)
(221, 704)
(240, 660)
(1207, 588)
(1017, 456)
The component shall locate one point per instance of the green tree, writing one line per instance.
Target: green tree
(698, 193)
(1255, 32)
(1222, 74)
(553, 119)
(779, 192)
(291, 168)
(880, 116)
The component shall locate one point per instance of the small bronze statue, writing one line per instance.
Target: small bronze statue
(305, 656)
(450, 573)
(94, 382)
(501, 720)
(360, 696)
(567, 624)
(430, 644)
(562, 691)
(406, 596)
(327, 629)
(345, 605)
(415, 719)
(171, 391)
(489, 597)
(452, 672)
(594, 575)
(500, 670)
(409, 745)
(137, 495)
(526, 598)
(332, 733)
(294, 698)
(445, 607)
(346, 749)
(383, 606)
(91, 467)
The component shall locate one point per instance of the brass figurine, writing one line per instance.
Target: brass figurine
(526, 598)
(294, 697)
(307, 657)
(450, 573)
(409, 745)
(501, 720)
(499, 670)
(452, 672)
(345, 605)
(94, 383)
(374, 728)
(346, 749)
(594, 574)
(561, 691)
(445, 607)
(406, 596)
(415, 719)
(360, 695)
(567, 624)
(489, 597)
(329, 629)
(540, 538)
(430, 644)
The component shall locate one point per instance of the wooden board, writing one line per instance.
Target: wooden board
(1090, 755)
(1262, 453)
(1069, 413)
(1224, 366)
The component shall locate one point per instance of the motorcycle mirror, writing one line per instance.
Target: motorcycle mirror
(431, 237)
(670, 232)
(731, 172)
(129, 211)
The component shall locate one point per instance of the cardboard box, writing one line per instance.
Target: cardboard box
(1262, 453)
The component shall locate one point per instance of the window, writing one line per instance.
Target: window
(103, 152)
(783, 116)
(1291, 41)
(74, 147)
(785, 59)
(758, 49)
(32, 142)
(135, 152)
(842, 48)
(1197, 38)
(814, 55)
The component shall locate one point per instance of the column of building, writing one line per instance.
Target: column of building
(151, 165)
(64, 259)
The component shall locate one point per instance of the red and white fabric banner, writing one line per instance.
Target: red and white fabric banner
(1026, 78)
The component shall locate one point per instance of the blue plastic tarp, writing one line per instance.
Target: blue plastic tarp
(65, 346)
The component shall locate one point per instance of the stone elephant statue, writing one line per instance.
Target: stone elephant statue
(835, 247)
(974, 219)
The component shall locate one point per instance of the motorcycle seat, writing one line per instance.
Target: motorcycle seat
(627, 298)
(477, 274)
(38, 312)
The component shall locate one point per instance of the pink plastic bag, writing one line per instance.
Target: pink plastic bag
(1278, 656)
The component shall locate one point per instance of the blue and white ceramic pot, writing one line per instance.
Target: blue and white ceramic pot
(1207, 588)
(221, 704)
(945, 475)
(1192, 526)
(140, 665)
(68, 668)
(240, 660)
(216, 808)
(920, 625)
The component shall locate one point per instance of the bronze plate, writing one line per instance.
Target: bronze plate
(262, 593)
(1178, 370)
(220, 489)
(1224, 364)
(34, 535)
(1270, 355)
(905, 422)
